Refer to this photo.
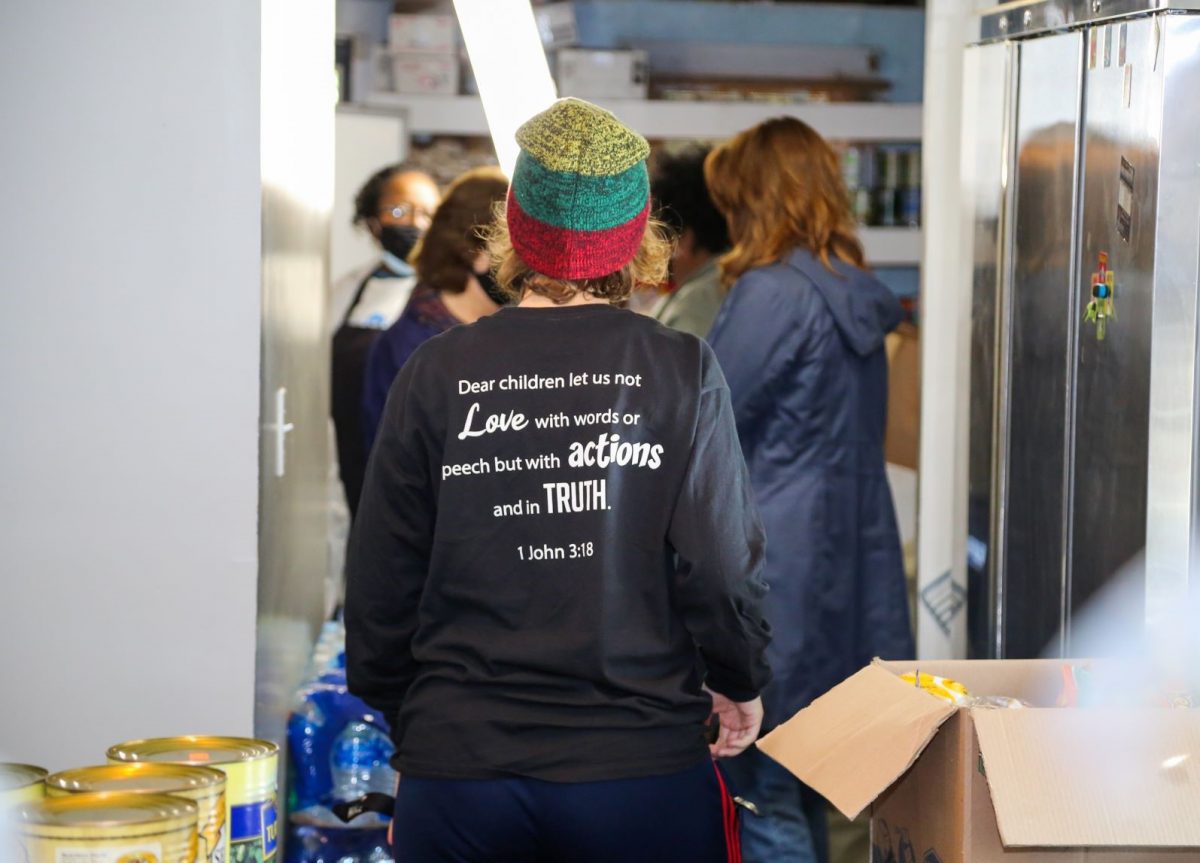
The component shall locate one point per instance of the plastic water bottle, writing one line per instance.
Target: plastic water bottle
(358, 761)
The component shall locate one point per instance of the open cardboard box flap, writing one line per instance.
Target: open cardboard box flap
(852, 743)
(1058, 778)
(1093, 777)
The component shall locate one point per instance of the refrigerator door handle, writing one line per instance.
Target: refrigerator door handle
(281, 428)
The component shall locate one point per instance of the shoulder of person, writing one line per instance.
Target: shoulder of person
(398, 336)
(668, 336)
(838, 272)
(776, 290)
(861, 307)
(712, 377)
(690, 353)
(343, 289)
(701, 292)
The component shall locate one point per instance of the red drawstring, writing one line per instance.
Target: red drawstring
(729, 814)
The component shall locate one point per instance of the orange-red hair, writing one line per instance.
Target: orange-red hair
(779, 185)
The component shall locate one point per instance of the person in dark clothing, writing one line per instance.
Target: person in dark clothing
(553, 580)
(801, 341)
(454, 286)
(683, 202)
(395, 205)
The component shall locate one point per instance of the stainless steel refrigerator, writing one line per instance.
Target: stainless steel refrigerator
(1081, 165)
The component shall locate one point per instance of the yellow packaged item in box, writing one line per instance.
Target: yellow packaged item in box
(942, 687)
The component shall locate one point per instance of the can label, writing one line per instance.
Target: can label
(254, 832)
(212, 842)
(26, 794)
(910, 207)
(147, 852)
(213, 831)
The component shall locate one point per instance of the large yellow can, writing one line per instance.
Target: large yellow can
(250, 768)
(204, 786)
(110, 827)
(20, 783)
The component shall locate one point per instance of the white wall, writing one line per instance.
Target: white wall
(945, 340)
(129, 343)
(364, 143)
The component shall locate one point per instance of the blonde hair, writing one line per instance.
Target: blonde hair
(647, 267)
(779, 185)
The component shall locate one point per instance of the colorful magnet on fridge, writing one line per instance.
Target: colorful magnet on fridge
(1102, 306)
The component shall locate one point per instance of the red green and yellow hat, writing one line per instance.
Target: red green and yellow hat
(580, 194)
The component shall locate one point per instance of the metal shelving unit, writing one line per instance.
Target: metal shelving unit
(868, 122)
(892, 247)
(856, 121)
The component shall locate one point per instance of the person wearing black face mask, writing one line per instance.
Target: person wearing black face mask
(455, 284)
(398, 241)
(491, 287)
(396, 206)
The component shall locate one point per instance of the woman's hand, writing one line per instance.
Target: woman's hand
(740, 721)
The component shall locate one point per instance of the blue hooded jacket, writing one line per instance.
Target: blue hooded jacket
(802, 350)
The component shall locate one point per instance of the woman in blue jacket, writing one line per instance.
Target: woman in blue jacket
(800, 339)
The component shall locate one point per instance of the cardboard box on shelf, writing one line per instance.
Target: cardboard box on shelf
(681, 59)
(361, 67)
(949, 784)
(422, 72)
(715, 71)
(556, 24)
(433, 33)
(592, 74)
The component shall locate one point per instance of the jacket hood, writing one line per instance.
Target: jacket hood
(864, 309)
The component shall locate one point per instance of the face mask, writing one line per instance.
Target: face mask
(493, 290)
(399, 239)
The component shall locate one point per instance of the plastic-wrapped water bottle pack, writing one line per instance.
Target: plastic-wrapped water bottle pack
(339, 750)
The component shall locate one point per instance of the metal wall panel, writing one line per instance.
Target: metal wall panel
(987, 103)
(1040, 328)
(1025, 18)
(297, 176)
(1122, 120)
(1173, 480)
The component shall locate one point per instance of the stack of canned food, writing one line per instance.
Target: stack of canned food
(884, 183)
(214, 799)
(166, 800)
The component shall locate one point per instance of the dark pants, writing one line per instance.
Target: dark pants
(790, 826)
(683, 816)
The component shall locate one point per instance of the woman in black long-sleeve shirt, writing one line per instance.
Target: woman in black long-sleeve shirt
(557, 551)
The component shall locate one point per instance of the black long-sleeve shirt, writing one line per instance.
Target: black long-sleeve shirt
(556, 546)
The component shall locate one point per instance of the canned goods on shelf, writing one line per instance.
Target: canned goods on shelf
(851, 166)
(20, 783)
(912, 169)
(204, 786)
(889, 168)
(250, 767)
(108, 827)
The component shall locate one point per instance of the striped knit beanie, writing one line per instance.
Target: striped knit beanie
(580, 194)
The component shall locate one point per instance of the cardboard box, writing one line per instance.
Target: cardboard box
(1034, 785)
(556, 24)
(602, 74)
(902, 439)
(432, 33)
(426, 73)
